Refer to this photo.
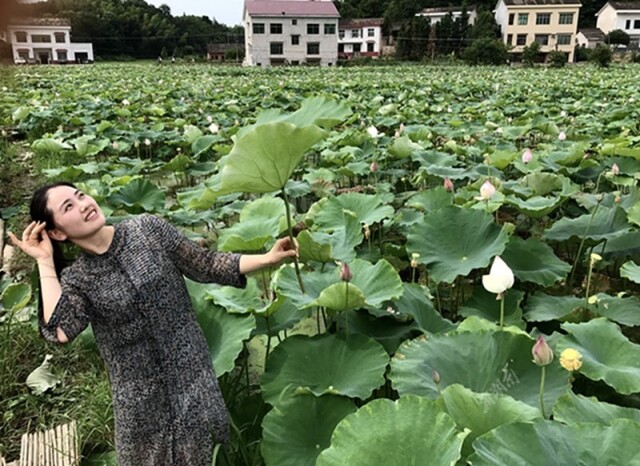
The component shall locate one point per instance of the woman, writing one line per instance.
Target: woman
(129, 285)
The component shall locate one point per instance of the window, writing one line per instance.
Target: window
(313, 28)
(340, 48)
(564, 39)
(356, 48)
(62, 55)
(329, 28)
(521, 39)
(258, 28)
(294, 22)
(636, 24)
(313, 48)
(355, 33)
(509, 39)
(566, 18)
(627, 25)
(295, 39)
(511, 18)
(371, 32)
(371, 47)
(341, 34)
(60, 37)
(543, 18)
(275, 28)
(276, 48)
(542, 39)
(40, 38)
(21, 36)
(523, 19)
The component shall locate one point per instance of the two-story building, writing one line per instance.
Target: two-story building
(360, 38)
(45, 41)
(290, 32)
(437, 14)
(551, 23)
(621, 15)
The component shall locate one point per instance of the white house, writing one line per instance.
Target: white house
(435, 15)
(621, 15)
(589, 38)
(290, 32)
(360, 37)
(45, 41)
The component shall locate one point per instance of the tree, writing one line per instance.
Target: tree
(486, 51)
(601, 55)
(485, 26)
(557, 59)
(617, 37)
(531, 53)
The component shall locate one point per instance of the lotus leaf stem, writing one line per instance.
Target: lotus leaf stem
(542, 392)
(291, 240)
(502, 311)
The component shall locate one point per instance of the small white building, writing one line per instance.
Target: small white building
(45, 41)
(435, 15)
(589, 38)
(360, 38)
(621, 15)
(290, 32)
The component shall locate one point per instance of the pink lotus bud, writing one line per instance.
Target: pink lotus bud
(345, 273)
(615, 169)
(448, 185)
(487, 190)
(542, 354)
(527, 156)
(373, 167)
(562, 136)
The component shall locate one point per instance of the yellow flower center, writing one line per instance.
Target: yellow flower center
(571, 359)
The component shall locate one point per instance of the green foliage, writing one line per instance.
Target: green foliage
(617, 37)
(486, 51)
(601, 55)
(557, 59)
(531, 53)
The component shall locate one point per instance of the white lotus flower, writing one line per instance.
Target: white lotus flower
(487, 191)
(562, 136)
(500, 278)
(147, 142)
(373, 131)
(563, 114)
(209, 119)
(214, 128)
(125, 102)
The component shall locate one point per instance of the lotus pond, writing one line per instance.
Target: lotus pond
(392, 340)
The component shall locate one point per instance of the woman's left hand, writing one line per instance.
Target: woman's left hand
(281, 250)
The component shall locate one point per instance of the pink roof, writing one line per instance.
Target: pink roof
(291, 8)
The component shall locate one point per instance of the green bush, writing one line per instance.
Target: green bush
(617, 37)
(601, 55)
(557, 59)
(531, 53)
(486, 51)
(581, 54)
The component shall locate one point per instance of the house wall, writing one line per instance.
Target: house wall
(258, 45)
(347, 44)
(628, 21)
(45, 52)
(554, 32)
(439, 16)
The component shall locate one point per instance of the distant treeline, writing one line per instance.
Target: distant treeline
(136, 29)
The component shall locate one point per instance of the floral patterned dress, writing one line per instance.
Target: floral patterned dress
(165, 394)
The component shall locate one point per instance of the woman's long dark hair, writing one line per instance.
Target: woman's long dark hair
(40, 213)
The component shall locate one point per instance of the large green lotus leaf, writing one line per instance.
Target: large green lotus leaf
(41, 378)
(476, 324)
(409, 431)
(297, 429)
(634, 214)
(501, 158)
(415, 302)
(225, 333)
(260, 163)
(621, 310)
(403, 147)
(552, 443)
(282, 316)
(606, 224)
(543, 184)
(324, 364)
(534, 261)
(536, 206)
(368, 208)
(542, 307)
(139, 195)
(607, 354)
(315, 282)
(572, 408)
(343, 238)
(454, 241)
(16, 296)
(484, 361)
(237, 300)
(310, 250)
(379, 282)
(320, 111)
(482, 412)
(340, 297)
(484, 304)
(250, 235)
(50, 146)
(630, 270)
(431, 199)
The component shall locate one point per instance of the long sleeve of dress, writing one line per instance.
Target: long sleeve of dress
(70, 314)
(195, 262)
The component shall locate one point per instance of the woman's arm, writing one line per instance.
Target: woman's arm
(280, 251)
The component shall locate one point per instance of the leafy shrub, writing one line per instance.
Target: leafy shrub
(531, 53)
(617, 37)
(557, 59)
(486, 51)
(582, 54)
(601, 55)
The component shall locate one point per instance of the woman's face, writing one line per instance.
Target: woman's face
(75, 214)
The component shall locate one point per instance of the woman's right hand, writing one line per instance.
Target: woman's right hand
(35, 241)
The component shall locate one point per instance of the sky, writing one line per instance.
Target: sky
(227, 12)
